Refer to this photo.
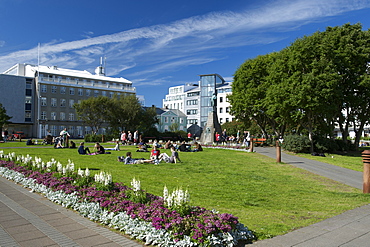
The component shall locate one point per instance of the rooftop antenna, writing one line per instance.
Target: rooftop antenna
(100, 70)
(38, 59)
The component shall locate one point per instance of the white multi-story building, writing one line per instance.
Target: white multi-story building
(41, 98)
(195, 100)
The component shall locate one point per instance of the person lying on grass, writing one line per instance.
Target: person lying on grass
(129, 160)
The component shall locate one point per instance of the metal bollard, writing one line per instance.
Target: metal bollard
(366, 175)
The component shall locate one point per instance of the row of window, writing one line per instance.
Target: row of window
(192, 112)
(227, 109)
(53, 116)
(72, 91)
(61, 79)
(74, 131)
(54, 103)
(173, 119)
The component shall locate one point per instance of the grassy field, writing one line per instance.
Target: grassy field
(351, 160)
(270, 198)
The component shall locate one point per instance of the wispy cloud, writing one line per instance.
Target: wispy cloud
(183, 42)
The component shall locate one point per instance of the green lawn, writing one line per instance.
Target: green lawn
(351, 160)
(270, 198)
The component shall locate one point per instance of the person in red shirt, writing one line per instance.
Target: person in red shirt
(189, 135)
(154, 153)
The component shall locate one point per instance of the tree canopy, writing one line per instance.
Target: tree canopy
(122, 112)
(4, 118)
(318, 82)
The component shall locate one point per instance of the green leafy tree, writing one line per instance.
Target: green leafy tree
(94, 112)
(4, 119)
(127, 113)
(319, 81)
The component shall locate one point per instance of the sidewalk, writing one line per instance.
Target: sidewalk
(351, 228)
(29, 219)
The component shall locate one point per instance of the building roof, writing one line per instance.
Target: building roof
(30, 70)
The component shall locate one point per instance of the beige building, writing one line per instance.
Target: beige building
(41, 98)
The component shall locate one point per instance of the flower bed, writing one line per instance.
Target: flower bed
(162, 221)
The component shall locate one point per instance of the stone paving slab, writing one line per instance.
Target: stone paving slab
(29, 219)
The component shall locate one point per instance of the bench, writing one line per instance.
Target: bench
(259, 141)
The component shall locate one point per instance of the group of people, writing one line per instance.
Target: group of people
(223, 137)
(155, 157)
(98, 149)
(129, 138)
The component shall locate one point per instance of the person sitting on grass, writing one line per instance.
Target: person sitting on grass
(99, 148)
(197, 147)
(184, 147)
(129, 160)
(30, 142)
(82, 149)
(174, 158)
(154, 154)
(72, 144)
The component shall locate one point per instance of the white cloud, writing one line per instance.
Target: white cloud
(176, 44)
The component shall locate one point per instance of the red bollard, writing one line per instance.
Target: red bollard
(366, 176)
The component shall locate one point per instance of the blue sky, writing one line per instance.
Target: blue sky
(163, 43)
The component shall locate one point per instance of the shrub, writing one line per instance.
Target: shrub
(296, 143)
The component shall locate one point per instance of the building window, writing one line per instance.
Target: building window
(227, 120)
(80, 92)
(221, 99)
(165, 119)
(88, 92)
(192, 112)
(193, 94)
(96, 93)
(53, 89)
(227, 109)
(71, 103)
(53, 130)
(103, 93)
(43, 101)
(192, 102)
(53, 102)
(43, 115)
(63, 90)
(192, 121)
(111, 94)
(62, 102)
(71, 117)
(71, 91)
(221, 110)
(53, 116)
(27, 115)
(44, 89)
(221, 121)
(28, 100)
(62, 116)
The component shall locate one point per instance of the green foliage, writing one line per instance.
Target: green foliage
(308, 86)
(296, 143)
(4, 119)
(99, 138)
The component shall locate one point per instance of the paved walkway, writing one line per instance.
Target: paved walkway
(351, 229)
(29, 219)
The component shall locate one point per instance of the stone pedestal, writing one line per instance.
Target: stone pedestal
(209, 131)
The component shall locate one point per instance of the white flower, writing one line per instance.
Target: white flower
(87, 172)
